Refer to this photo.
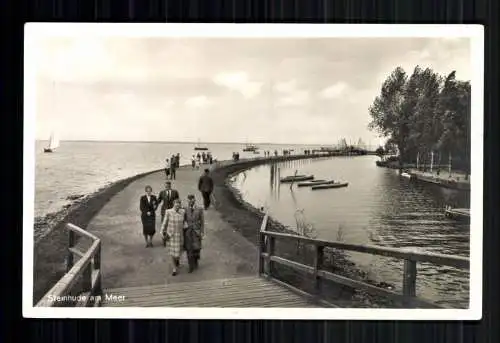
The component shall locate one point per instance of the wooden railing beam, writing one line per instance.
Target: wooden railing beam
(440, 259)
(408, 298)
(86, 270)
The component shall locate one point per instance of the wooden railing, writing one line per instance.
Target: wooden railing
(408, 298)
(83, 277)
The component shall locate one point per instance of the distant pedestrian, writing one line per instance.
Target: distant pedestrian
(167, 168)
(193, 161)
(173, 167)
(173, 233)
(167, 198)
(194, 232)
(206, 187)
(178, 160)
(148, 205)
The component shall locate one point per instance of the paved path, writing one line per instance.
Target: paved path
(126, 262)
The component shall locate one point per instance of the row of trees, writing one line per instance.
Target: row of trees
(423, 113)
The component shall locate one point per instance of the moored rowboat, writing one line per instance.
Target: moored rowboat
(297, 178)
(315, 183)
(331, 185)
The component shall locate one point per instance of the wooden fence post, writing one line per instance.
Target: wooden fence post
(270, 252)
(97, 266)
(262, 243)
(87, 278)
(409, 282)
(318, 264)
(261, 249)
(71, 244)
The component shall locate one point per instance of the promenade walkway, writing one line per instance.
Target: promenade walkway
(127, 263)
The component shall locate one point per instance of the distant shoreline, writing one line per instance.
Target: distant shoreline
(194, 142)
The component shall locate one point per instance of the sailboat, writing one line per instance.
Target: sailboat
(199, 147)
(53, 143)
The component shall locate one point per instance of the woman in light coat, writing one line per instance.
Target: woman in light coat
(173, 230)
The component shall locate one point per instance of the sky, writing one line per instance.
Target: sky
(260, 90)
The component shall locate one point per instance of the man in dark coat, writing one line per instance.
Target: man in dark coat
(194, 232)
(206, 187)
(166, 199)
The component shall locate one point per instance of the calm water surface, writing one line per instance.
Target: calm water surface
(378, 207)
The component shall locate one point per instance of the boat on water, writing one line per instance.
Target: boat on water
(313, 183)
(200, 147)
(53, 143)
(457, 213)
(405, 174)
(330, 185)
(294, 178)
(251, 148)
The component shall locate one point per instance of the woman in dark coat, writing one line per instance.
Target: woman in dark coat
(148, 206)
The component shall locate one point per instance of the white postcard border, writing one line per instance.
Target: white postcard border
(35, 31)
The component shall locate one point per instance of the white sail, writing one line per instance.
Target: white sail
(54, 141)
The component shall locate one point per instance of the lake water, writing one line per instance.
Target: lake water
(378, 207)
(84, 167)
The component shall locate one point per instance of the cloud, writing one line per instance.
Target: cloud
(334, 91)
(295, 98)
(286, 86)
(290, 95)
(200, 101)
(239, 82)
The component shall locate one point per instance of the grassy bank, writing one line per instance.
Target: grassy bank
(50, 250)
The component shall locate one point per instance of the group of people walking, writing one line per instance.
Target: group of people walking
(182, 228)
(171, 166)
(198, 159)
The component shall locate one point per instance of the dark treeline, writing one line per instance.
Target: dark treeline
(425, 113)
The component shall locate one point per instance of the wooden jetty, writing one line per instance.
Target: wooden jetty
(250, 291)
(107, 264)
